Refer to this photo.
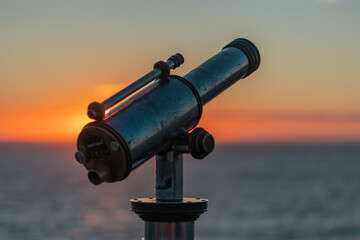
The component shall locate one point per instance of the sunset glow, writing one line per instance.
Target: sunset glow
(58, 60)
(63, 125)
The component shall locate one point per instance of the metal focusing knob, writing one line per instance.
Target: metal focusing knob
(81, 157)
(201, 143)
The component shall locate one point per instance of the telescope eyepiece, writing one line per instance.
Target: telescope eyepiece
(94, 178)
(101, 172)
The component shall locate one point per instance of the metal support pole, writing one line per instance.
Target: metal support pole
(169, 176)
(169, 187)
(169, 230)
(169, 216)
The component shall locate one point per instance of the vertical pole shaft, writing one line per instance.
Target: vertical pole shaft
(169, 216)
(169, 187)
(169, 231)
(169, 176)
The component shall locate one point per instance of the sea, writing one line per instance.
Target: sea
(256, 191)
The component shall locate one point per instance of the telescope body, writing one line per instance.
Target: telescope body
(151, 120)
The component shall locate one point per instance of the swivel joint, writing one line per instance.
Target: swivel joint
(199, 143)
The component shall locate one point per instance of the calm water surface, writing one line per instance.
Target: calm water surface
(256, 192)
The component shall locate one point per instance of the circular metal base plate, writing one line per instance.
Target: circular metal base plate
(187, 209)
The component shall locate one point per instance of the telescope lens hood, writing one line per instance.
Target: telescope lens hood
(250, 50)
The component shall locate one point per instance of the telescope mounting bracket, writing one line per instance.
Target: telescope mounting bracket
(170, 216)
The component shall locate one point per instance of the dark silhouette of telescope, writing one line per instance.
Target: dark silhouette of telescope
(155, 116)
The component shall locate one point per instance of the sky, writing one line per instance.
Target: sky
(58, 56)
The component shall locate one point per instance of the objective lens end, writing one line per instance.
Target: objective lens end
(250, 50)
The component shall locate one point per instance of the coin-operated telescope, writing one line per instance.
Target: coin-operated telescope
(155, 116)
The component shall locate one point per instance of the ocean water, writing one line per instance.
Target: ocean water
(255, 191)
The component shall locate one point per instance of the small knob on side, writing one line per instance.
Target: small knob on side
(177, 59)
(81, 157)
(96, 111)
(201, 143)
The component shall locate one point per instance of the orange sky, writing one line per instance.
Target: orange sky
(61, 122)
(57, 58)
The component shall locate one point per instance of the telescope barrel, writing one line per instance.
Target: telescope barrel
(150, 120)
(224, 69)
(161, 69)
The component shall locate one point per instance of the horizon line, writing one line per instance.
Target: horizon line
(264, 142)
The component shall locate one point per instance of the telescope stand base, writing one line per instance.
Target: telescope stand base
(169, 230)
(170, 220)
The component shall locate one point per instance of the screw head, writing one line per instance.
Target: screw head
(115, 146)
(91, 114)
(80, 156)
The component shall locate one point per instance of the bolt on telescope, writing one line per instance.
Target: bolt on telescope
(165, 110)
